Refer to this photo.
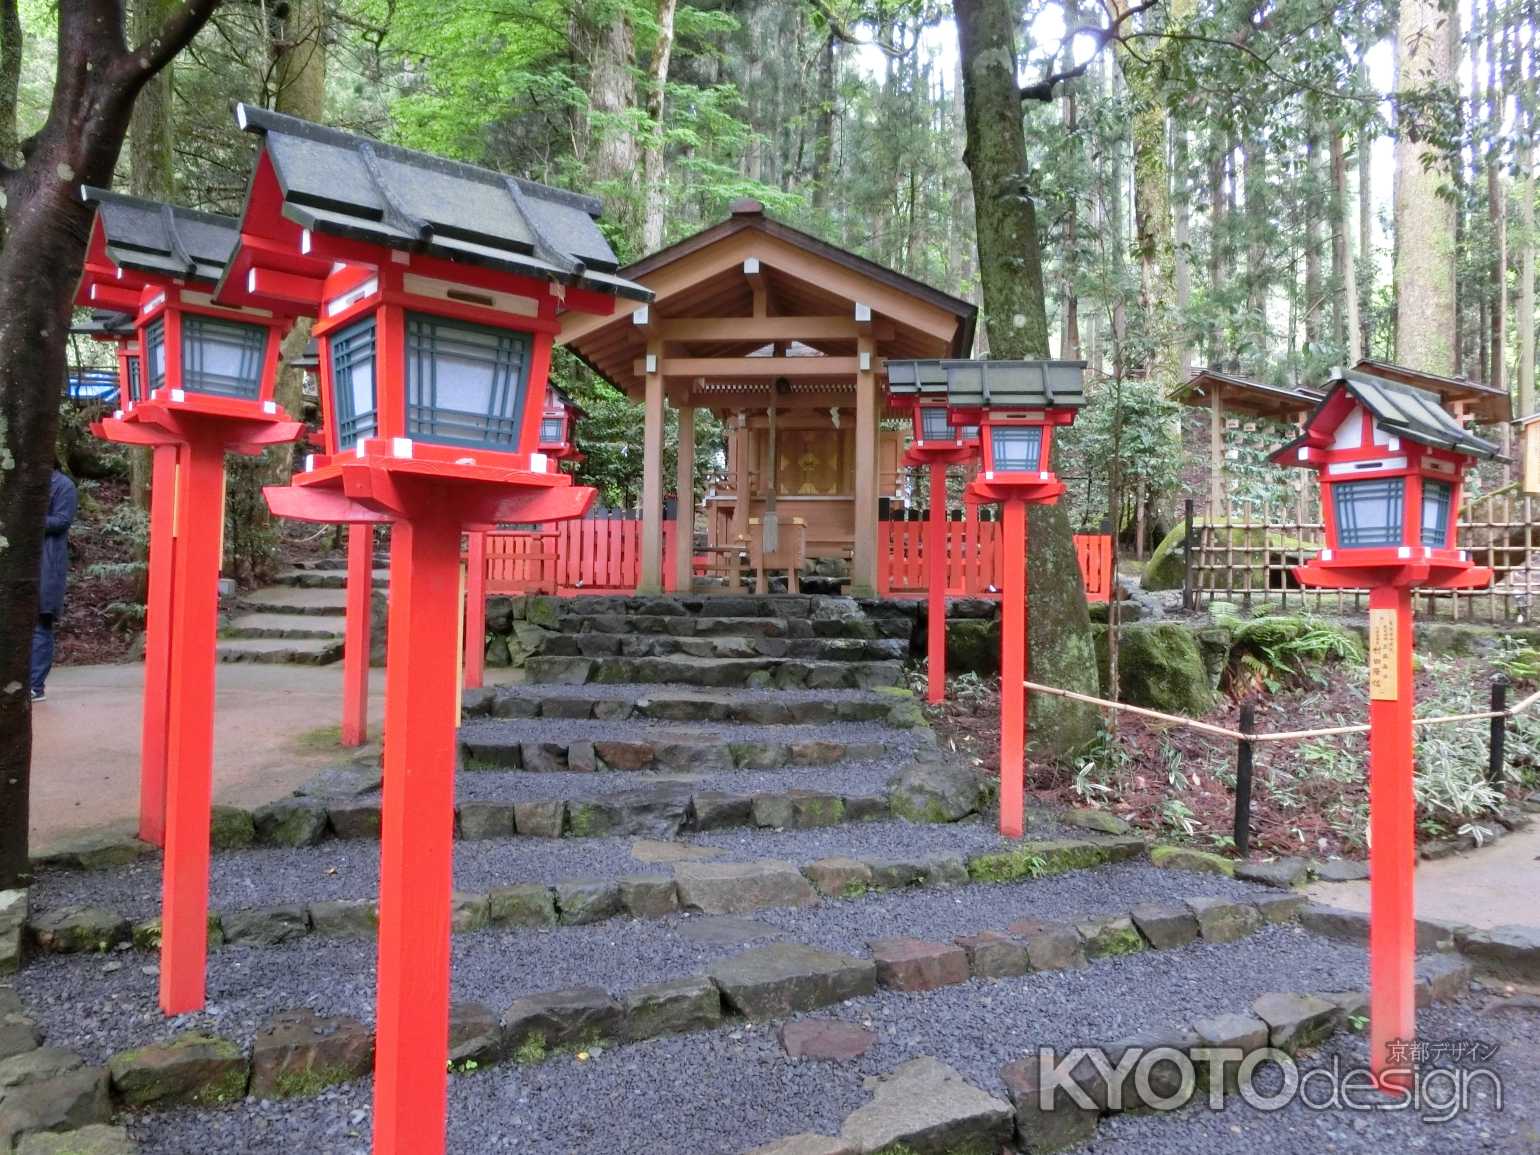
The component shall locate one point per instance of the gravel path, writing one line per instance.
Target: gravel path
(865, 778)
(1300, 1130)
(88, 1007)
(730, 1089)
(350, 869)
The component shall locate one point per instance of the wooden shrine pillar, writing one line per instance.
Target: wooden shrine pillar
(651, 580)
(684, 504)
(863, 568)
(745, 499)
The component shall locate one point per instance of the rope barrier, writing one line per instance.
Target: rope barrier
(1275, 735)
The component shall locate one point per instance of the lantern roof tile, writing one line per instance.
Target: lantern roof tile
(973, 384)
(1401, 409)
(162, 239)
(350, 186)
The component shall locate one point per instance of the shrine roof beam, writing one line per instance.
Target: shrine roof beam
(749, 368)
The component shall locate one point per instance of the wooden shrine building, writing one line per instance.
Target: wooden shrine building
(784, 337)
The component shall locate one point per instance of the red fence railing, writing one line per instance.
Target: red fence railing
(604, 554)
(974, 564)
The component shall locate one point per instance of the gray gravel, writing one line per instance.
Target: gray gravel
(865, 778)
(86, 1007)
(350, 869)
(1299, 1130)
(724, 1091)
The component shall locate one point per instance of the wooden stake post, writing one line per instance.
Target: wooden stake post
(1391, 463)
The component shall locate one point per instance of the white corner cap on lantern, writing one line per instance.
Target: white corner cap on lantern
(538, 463)
(270, 407)
(465, 461)
(178, 395)
(304, 240)
(401, 447)
(359, 450)
(309, 462)
(1465, 555)
(1326, 555)
(117, 415)
(1404, 552)
(240, 115)
(1042, 475)
(1304, 453)
(989, 475)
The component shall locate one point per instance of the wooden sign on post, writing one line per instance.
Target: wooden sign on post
(1383, 682)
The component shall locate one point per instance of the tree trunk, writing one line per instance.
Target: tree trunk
(1425, 224)
(652, 158)
(823, 122)
(1365, 241)
(46, 226)
(1010, 266)
(150, 175)
(611, 97)
(1497, 205)
(1069, 334)
(1315, 291)
(10, 85)
(1525, 194)
(1181, 235)
(1254, 343)
(1218, 268)
(1344, 253)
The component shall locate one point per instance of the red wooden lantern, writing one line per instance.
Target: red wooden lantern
(205, 387)
(437, 287)
(1391, 463)
(921, 386)
(558, 426)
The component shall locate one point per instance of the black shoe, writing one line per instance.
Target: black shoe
(39, 696)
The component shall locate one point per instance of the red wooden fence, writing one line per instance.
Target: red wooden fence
(604, 555)
(974, 562)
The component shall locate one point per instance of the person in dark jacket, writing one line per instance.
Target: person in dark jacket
(54, 572)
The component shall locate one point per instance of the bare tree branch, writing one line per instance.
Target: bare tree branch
(175, 34)
(842, 31)
(1101, 36)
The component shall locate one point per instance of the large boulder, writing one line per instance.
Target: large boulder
(934, 791)
(1161, 667)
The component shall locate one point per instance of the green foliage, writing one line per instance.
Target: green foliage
(1517, 659)
(1270, 652)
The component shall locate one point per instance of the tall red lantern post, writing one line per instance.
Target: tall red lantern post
(920, 386)
(437, 287)
(205, 388)
(1391, 462)
(1016, 406)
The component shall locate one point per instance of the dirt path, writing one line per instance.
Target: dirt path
(1487, 887)
(275, 725)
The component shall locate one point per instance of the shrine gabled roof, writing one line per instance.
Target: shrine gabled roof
(1486, 403)
(160, 239)
(972, 384)
(1399, 409)
(1239, 394)
(349, 186)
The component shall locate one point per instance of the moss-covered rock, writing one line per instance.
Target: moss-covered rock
(543, 611)
(972, 646)
(1186, 858)
(1160, 666)
(1168, 564)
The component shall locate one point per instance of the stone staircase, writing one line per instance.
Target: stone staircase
(298, 620)
(770, 642)
(689, 917)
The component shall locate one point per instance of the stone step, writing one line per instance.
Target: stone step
(482, 748)
(683, 669)
(547, 609)
(381, 560)
(318, 600)
(296, 651)
(734, 1014)
(602, 645)
(692, 626)
(287, 626)
(893, 706)
(326, 579)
